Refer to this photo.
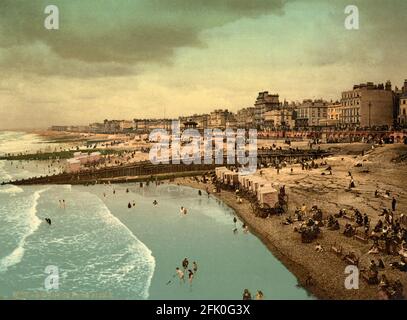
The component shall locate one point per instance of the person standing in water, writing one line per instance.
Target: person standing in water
(180, 274)
(190, 276)
(195, 266)
(185, 263)
(247, 295)
(245, 228)
(259, 295)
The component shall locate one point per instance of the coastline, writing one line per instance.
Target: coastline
(326, 269)
(242, 211)
(378, 168)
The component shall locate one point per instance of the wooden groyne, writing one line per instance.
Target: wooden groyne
(145, 170)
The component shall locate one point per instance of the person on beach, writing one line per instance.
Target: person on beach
(129, 205)
(304, 209)
(185, 263)
(63, 203)
(393, 204)
(365, 220)
(380, 264)
(185, 211)
(374, 249)
(318, 248)
(247, 295)
(181, 210)
(180, 274)
(195, 266)
(384, 212)
(352, 183)
(200, 192)
(134, 203)
(155, 202)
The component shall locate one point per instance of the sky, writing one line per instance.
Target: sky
(126, 59)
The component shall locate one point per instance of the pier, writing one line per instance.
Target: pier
(145, 170)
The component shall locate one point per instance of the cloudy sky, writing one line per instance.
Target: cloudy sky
(124, 59)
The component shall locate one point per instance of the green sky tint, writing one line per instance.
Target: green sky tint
(124, 59)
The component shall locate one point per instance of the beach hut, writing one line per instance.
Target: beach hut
(241, 180)
(223, 175)
(267, 196)
(226, 176)
(256, 183)
(219, 171)
(233, 178)
(249, 183)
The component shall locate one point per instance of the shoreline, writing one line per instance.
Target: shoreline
(298, 270)
(325, 269)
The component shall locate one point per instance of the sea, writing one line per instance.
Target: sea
(111, 242)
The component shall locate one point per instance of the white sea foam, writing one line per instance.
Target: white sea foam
(3, 173)
(14, 142)
(10, 189)
(33, 223)
(138, 247)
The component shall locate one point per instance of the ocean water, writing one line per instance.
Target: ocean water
(99, 248)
